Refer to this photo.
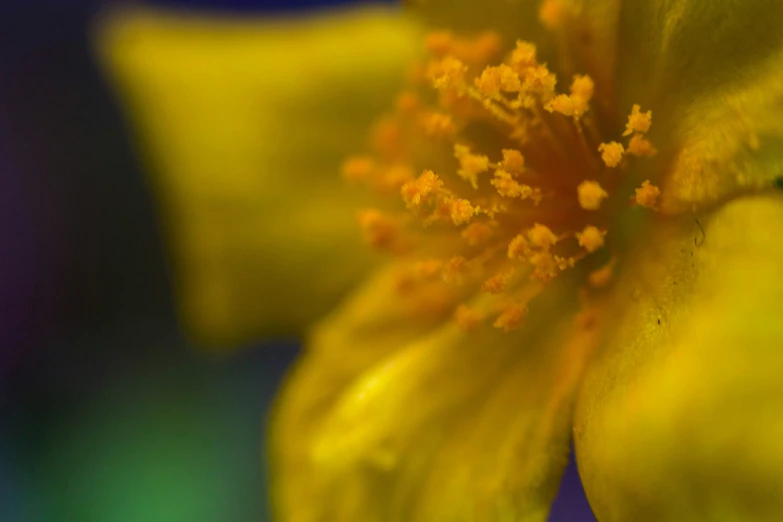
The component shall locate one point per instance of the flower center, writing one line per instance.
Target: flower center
(515, 183)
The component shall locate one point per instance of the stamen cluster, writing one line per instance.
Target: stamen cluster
(514, 177)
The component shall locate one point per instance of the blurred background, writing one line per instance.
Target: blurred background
(109, 410)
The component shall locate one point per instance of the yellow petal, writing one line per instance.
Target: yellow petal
(244, 124)
(365, 328)
(712, 73)
(680, 419)
(513, 20)
(437, 424)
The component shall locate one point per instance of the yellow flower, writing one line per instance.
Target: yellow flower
(579, 204)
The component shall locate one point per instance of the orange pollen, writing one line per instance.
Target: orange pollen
(590, 195)
(448, 73)
(437, 125)
(439, 43)
(408, 102)
(591, 238)
(461, 211)
(602, 277)
(467, 318)
(640, 146)
(611, 153)
(523, 56)
(582, 88)
(499, 220)
(498, 283)
(513, 161)
(575, 104)
(541, 237)
(647, 195)
(477, 233)
(423, 186)
(455, 270)
(562, 104)
(553, 14)
(493, 80)
(508, 187)
(380, 231)
(638, 121)
(511, 317)
(358, 168)
(471, 165)
(518, 248)
(545, 265)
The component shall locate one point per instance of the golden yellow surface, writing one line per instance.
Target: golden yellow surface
(679, 418)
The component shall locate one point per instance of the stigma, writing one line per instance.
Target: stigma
(490, 180)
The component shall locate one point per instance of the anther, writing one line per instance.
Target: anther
(439, 43)
(647, 195)
(511, 317)
(545, 266)
(640, 146)
(611, 153)
(582, 88)
(591, 238)
(438, 125)
(380, 231)
(495, 79)
(358, 168)
(539, 81)
(590, 195)
(413, 192)
(471, 165)
(575, 104)
(562, 103)
(448, 73)
(467, 318)
(498, 283)
(477, 233)
(518, 248)
(601, 277)
(507, 187)
(513, 161)
(638, 121)
(540, 236)
(523, 55)
(553, 14)
(461, 211)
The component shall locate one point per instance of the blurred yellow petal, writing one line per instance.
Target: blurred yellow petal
(364, 329)
(712, 72)
(244, 124)
(513, 20)
(437, 424)
(680, 419)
